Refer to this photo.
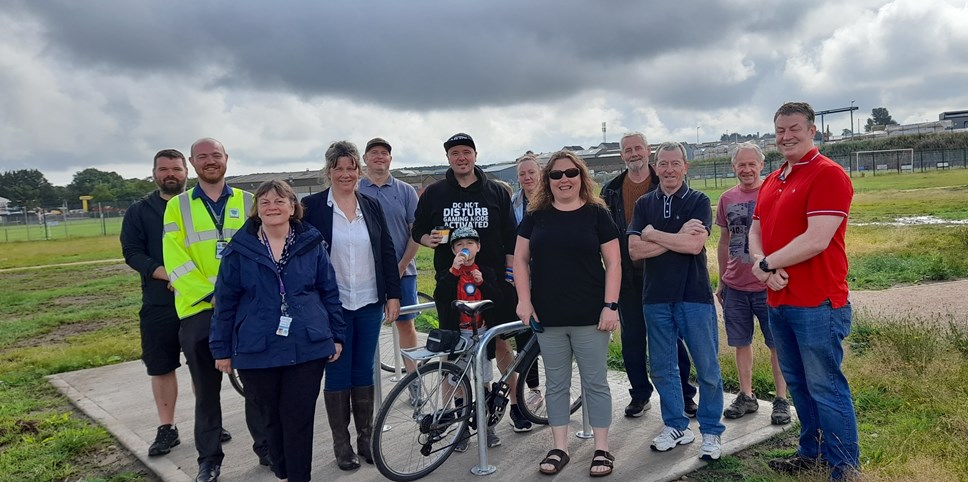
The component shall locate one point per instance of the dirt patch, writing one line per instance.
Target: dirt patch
(62, 333)
(111, 461)
(929, 301)
(113, 269)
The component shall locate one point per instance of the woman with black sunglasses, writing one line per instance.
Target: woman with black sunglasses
(566, 289)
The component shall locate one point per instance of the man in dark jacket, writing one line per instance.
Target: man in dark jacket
(467, 198)
(141, 234)
(620, 195)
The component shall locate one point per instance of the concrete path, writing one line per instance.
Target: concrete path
(119, 398)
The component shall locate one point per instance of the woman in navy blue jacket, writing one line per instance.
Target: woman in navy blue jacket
(278, 321)
(359, 244)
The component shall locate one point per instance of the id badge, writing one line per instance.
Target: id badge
(283, 329)
(219, 247)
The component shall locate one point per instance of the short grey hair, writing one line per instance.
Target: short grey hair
(340, 149)
(747, 146)
(621, 142)
(671, 146)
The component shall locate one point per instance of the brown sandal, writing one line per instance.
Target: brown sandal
(606, 460)
(558, 463)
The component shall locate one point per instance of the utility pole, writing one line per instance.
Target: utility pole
(603, 132)
(852, 118)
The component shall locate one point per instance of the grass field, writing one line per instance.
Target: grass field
(910, 379)
(61, 229)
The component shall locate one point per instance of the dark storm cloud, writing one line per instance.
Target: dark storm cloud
(409, 55)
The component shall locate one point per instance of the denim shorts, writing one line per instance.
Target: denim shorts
(408, 295)
(738, 312)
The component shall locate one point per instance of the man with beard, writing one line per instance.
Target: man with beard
(141, 233)
(198, 226)
(467, 198)
(620, 194)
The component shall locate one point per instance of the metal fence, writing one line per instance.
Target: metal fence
(720, 174)
(62, 222)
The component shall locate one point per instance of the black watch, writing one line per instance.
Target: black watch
(765, 267)
(612, 306)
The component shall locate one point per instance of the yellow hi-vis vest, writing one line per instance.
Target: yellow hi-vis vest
(189, 246)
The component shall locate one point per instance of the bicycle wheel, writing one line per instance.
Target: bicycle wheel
(387, 361)
(413, 439)
(537, 411)
(236, 382)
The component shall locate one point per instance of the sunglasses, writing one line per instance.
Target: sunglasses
(569, 173)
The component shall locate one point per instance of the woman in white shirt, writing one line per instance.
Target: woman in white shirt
(358, 240)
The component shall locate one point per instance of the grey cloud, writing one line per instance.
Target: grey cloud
(409, 55)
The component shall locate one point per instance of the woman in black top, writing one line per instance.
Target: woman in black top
(563, 284)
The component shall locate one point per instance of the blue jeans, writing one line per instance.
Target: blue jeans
(354, 368)
(696, 323)
(635, 344)
(809, 347)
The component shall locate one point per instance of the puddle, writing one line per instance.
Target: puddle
(916, 221)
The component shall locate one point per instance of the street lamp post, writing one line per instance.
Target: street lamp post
(852, 118)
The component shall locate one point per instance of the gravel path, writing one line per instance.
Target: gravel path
(929, 301)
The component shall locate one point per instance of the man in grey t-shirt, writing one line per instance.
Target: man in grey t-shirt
(399, 201)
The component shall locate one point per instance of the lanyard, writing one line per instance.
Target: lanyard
(280, 265)
(217, 219)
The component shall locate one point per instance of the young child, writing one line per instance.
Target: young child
(471, 283)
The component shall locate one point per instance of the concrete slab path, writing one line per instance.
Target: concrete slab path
(119, 398)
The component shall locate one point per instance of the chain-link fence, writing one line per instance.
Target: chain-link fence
(719, 174)
(62, 222)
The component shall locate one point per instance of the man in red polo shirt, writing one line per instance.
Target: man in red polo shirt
(797, 243)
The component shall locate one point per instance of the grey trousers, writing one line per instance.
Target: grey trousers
(590, 348)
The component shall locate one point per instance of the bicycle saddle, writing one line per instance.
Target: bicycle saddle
(472, 307)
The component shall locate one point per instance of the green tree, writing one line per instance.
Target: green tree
(27, 187)
(879, 117)
(87, 180)
(135, 189)
(845, 132)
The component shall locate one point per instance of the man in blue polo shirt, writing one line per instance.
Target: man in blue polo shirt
(399, 201)
(669, 229)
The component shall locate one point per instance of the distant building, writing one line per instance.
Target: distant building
(303, 182)
(958, 118)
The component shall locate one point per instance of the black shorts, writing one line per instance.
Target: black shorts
(160, 349)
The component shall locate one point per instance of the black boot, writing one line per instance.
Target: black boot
(362, 401)
(338, 412)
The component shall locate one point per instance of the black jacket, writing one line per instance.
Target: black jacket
(484, 206)
(612, 194)
(319, 214)
(141, 233)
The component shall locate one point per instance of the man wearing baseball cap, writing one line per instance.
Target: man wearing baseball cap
(467, 198)
(399, 201)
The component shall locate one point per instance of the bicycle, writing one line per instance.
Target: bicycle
(423, 425)
(388, 359)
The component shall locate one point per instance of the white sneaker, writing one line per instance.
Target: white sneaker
(670, 437)
(711, 448)
(534, 399)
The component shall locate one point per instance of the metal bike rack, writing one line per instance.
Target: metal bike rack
(480, 357)
(377, 385)
(585, 432)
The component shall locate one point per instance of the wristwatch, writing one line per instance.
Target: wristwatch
(612, 306)
(765, 267)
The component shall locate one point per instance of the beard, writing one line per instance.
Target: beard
(636, 165)
(171, 186)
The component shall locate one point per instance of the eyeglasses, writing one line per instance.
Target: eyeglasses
(569, 173)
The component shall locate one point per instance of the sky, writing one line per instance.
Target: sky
(107, 83)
